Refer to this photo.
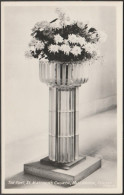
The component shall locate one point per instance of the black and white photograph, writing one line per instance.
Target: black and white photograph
(61, 84)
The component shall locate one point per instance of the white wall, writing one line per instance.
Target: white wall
(25, 97)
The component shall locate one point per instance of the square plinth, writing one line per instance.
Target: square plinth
(70, 177)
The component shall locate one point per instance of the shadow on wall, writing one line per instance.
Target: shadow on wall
(98, 135)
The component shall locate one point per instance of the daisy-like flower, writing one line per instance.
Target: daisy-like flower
(72, 38)
(65, 48)
(90, 48)
(58, 38)
(81, 41)
(39, 45)
(54, 48)
(76, 39)
(76, 50)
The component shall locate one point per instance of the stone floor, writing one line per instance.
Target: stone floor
(97, 138)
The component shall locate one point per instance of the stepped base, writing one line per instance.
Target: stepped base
(76, 173)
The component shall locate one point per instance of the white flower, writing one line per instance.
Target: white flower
(54, 48)
(58, 38)
(102, 36)
(60, 11)
(39, 45)
(65, 48)
(68, 21)
(72, 38)
(80, 24)
(61, 15)
(76, 50)
(76, 39)
(81, 41)
(35, 44)
(90, 48)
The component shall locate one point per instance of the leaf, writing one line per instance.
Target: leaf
(54, 20)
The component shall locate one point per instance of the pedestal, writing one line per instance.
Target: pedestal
(61, 176)
(63, 163)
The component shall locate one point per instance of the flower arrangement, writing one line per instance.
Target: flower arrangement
(64, 40)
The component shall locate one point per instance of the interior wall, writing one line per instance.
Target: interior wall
(25, 97)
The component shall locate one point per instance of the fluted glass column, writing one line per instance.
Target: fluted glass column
(64, 80)
(63, 124)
